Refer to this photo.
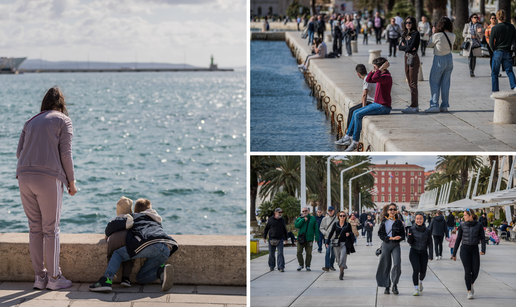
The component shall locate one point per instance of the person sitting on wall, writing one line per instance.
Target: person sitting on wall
(381, 105)
(367, 97)
(320, 53)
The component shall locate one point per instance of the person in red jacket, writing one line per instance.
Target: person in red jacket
(381, 105)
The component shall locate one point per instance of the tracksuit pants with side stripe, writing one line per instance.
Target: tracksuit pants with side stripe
(42, 198)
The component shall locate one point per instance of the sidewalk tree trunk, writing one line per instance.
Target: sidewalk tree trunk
(312, 6)
(439, 9)
(461, 14)
(419, 9)
(506, 6)
(483, 7)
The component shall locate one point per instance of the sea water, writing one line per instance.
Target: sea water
(283, 115)
(176, 138)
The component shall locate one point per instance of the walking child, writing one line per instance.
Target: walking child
(452, 240)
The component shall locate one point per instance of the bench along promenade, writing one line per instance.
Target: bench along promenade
(208, 271)
(468, 126)
(443, 285)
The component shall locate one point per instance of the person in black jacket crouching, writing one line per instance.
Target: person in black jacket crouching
(145, 239)
(470, 233)
(420, 239)
(391, 232)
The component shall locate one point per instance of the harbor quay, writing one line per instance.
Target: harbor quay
(202, 274)
(443, 285)
(468, 126)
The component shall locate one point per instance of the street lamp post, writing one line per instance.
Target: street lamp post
(367, 172)
(342, 184)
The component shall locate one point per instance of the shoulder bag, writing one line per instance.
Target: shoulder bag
(378, 251)
(301, 238)
(451, 47)
(335, 242)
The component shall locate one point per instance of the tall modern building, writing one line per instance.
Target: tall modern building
(401, 184)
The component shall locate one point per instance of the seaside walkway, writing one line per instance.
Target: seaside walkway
(443, 285)
(467, 127)
(21, 294)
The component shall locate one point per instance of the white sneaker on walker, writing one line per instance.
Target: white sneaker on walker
(433, 110)
(59, 283)
(352, 147)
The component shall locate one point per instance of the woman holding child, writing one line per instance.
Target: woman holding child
(45, 164)
(410, 44)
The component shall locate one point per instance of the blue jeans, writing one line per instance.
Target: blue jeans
(320, 242)
(310, 37)
(272, 255)
(450, 230)
(329, 259)
(451, 251)
(440, 78)
(355, 128)
(502, 58)
(156, 254)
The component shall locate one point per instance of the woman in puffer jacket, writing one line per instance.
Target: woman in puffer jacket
(420, 240)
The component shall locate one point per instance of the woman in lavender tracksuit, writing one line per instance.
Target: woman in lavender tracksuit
(44, 165)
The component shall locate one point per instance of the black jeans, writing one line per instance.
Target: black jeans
(419, 261)
(369, 234)
(438, 242)
(337, 45)
(472, 61)
(470, 258)
(393, 43)
(378, 33)
(320, 34)
(423, 46)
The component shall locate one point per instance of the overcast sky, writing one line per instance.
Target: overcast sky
(428, 162)
(126, 30)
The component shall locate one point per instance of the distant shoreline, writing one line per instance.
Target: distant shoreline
(21, 71)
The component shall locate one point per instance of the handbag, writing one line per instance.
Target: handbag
(301, 238)
(378, 251)
(359, 227)
(465, 45)
(335, 242)
(274, 242)
(410, 59)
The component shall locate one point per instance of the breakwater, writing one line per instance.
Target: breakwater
(200, 260)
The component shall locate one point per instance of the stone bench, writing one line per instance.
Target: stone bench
(354, 47)
(200, 260)
(505, 107)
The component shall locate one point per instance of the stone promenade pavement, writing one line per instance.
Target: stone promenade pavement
(21, 294)
(467, 127)
(443, 285)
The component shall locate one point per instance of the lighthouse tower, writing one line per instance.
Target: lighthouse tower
(213, 66)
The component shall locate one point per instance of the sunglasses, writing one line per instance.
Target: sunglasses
(304, 211)
(408, 22)
(342, 215)
(474, 17)
(392, 210)
(493, 17)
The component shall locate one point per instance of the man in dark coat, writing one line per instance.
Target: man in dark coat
(276, 229)
(439, 231)
(362, 219)
(320, 27)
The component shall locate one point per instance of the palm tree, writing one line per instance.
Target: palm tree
(359, 184)
(284, 177)
(259, 165)
(459, 165)
(316, 177)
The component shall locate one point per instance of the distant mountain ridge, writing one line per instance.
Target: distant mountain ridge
(42, 64)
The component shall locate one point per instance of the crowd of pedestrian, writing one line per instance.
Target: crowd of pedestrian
(425, 233)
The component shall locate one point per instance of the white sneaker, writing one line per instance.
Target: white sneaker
(40, 283)
(60, 283)
(343, 142)
(352, 147)
(433, 110)
(416, 293)
(470, 295)
(410, 110)
(301, 65)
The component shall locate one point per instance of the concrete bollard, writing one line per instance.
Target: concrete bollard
(354, 47)
(420, 73)
(505, 107)
(373, 54)
(327, 38)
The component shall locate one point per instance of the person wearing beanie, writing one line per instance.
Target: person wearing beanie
(117, 239)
